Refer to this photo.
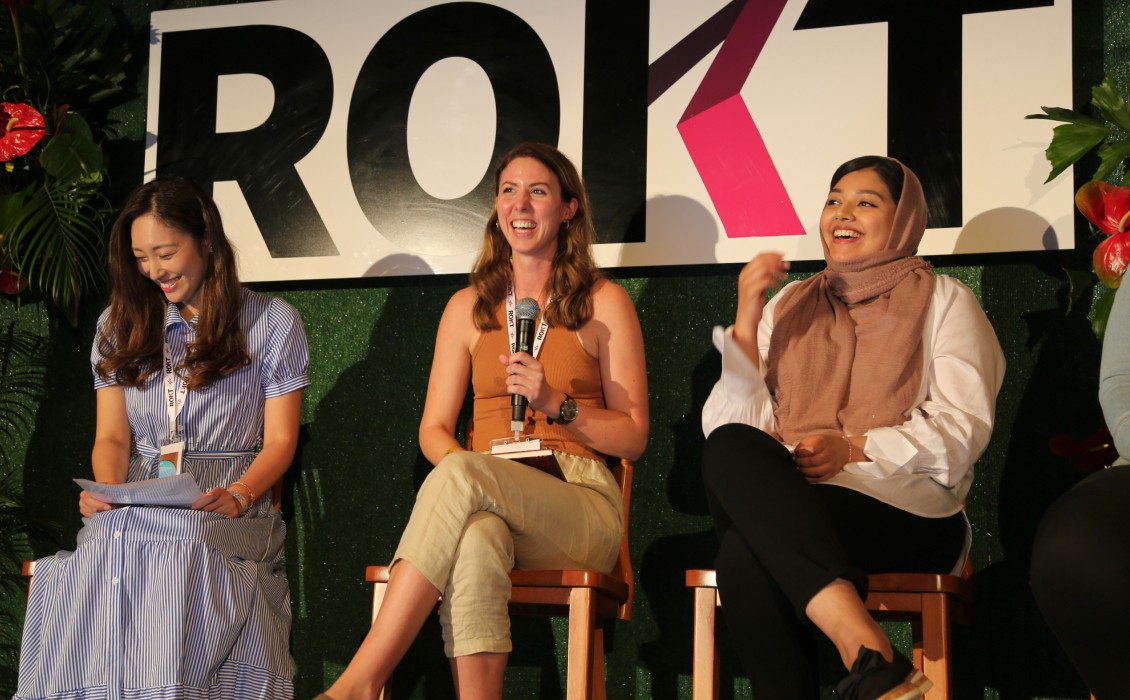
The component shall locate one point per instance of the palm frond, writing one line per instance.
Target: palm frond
(53, 237)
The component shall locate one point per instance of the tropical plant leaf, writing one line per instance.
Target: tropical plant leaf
(1111, 103)
(1061, 114)
(1081, 286)
(1072, 141)
(1112, 155)
(1103, 303)
(53, 237)
(23, 372)
(72, 155)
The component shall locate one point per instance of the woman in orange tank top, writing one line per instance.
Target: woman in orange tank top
(477, 516)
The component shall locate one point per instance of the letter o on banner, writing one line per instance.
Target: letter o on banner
(528, 108)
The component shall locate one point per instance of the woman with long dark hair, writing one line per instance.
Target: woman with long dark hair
(193, 375)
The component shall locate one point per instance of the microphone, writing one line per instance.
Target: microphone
(525, 313)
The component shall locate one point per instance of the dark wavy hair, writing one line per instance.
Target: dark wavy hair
(889, 171)
(574, 271)
(131, 339)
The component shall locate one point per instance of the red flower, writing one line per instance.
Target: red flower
(23, 127)
(1088, 455)
(11, 283)
(1111, 258)
(1107, 206)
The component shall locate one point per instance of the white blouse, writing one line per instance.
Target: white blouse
(925, 465)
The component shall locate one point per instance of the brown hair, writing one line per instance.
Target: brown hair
(131, 339)
(574, 271)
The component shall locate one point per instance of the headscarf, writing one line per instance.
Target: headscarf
(845, 355)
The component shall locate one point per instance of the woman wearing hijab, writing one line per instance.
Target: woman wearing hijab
(841, 437)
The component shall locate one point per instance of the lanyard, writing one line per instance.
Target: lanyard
(174, 395)
(543, 328)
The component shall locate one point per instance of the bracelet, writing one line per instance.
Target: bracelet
(457, 448)
(250, 493)
(244, 504)
(848, 441)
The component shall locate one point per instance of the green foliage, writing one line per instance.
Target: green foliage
(1081, 134)
(52, 209)
(22, 379)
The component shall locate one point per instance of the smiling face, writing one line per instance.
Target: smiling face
(172, 259)
(857, 216)
(531, 208)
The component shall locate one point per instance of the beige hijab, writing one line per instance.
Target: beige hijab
(846, 351)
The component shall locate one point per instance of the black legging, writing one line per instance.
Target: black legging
(782, 540)
(1080, 575)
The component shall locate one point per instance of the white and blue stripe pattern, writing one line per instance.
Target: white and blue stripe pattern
(173, 604)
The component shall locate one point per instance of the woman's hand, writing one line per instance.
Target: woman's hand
(88, 504)
(764, 271)
(219, 500)
(820, 457)
(525, 376)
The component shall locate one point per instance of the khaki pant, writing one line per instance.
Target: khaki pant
(477, 517)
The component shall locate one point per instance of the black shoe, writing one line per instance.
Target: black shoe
(874, 678)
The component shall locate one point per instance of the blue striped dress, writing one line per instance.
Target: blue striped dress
(167, 603)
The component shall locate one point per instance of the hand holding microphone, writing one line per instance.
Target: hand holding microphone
(525, 313)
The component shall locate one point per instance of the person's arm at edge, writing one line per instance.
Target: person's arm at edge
(1114, 374)
(447, 382)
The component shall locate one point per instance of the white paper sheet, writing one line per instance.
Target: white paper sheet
(178, 491)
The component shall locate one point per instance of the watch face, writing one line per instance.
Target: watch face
(568, 410)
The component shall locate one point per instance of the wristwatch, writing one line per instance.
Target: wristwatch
(567, 413)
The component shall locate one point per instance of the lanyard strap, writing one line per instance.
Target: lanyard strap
(511, 324)
(174, 395)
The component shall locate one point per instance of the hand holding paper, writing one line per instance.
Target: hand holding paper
(179, 491)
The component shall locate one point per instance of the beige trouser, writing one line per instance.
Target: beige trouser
(477, 517)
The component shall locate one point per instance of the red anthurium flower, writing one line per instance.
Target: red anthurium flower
(11, 283)
(1111, 258)
(1105, 205)
(23, 127)
(1089, 454)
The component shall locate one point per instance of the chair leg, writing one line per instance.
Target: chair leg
(378, 599)
(582, 625)
(936, 644)
(704, 672)
(598, 691)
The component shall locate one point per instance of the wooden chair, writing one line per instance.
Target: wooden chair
(928, 601)
(590, 599)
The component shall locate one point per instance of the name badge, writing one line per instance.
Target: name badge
(170, 461)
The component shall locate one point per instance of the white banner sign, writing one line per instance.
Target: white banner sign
(353, 138)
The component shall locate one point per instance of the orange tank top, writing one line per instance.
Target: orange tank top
(567, 368)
